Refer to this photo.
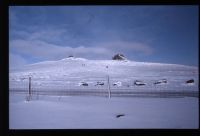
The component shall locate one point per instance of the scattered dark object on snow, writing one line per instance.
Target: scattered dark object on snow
(118, 57)
(106, 66)
(117, 83)
(161, 81)
(83, 84)
(190, 81)
(99, 83)
(139, 83)
(119, 115)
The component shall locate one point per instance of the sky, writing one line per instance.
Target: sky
(163, 34)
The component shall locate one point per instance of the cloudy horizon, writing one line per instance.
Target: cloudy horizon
(165, 34)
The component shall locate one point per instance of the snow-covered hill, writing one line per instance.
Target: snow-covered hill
(73, 67)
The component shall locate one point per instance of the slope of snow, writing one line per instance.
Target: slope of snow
(80, 66)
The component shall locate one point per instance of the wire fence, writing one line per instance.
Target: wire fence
(151, 86)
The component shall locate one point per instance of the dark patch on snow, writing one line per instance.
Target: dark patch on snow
(84, 84)
(119, 115)
(100, 83)
(117, 83)
(190, 81)
(139, 83)
(161, 81)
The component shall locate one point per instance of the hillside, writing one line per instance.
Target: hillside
(70, 72)
(73, 67)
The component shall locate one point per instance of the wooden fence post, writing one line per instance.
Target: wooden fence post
(109, 92)
(29, 88)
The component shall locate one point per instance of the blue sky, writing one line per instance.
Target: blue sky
(165, 34)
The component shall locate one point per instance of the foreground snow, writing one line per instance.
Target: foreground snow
(74, 112)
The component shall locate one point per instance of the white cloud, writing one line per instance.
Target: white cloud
(128, 47)
(45, 44)
(45, 50)
(47, 34)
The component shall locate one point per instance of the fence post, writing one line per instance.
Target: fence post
(29, 88)
(109, 92)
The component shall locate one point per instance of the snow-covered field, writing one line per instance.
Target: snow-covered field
(75, 112)
(69, 75)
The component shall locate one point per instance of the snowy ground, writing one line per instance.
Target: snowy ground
(63, 77)
(88, 112)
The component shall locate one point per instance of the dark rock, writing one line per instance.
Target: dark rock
(100, 83)
(139, 83)
(161, 81)
(117, 83)
(118, 57)
(119, 115)
(83, 84)
(190, 81)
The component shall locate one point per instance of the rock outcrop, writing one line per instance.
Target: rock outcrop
(119, 57)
